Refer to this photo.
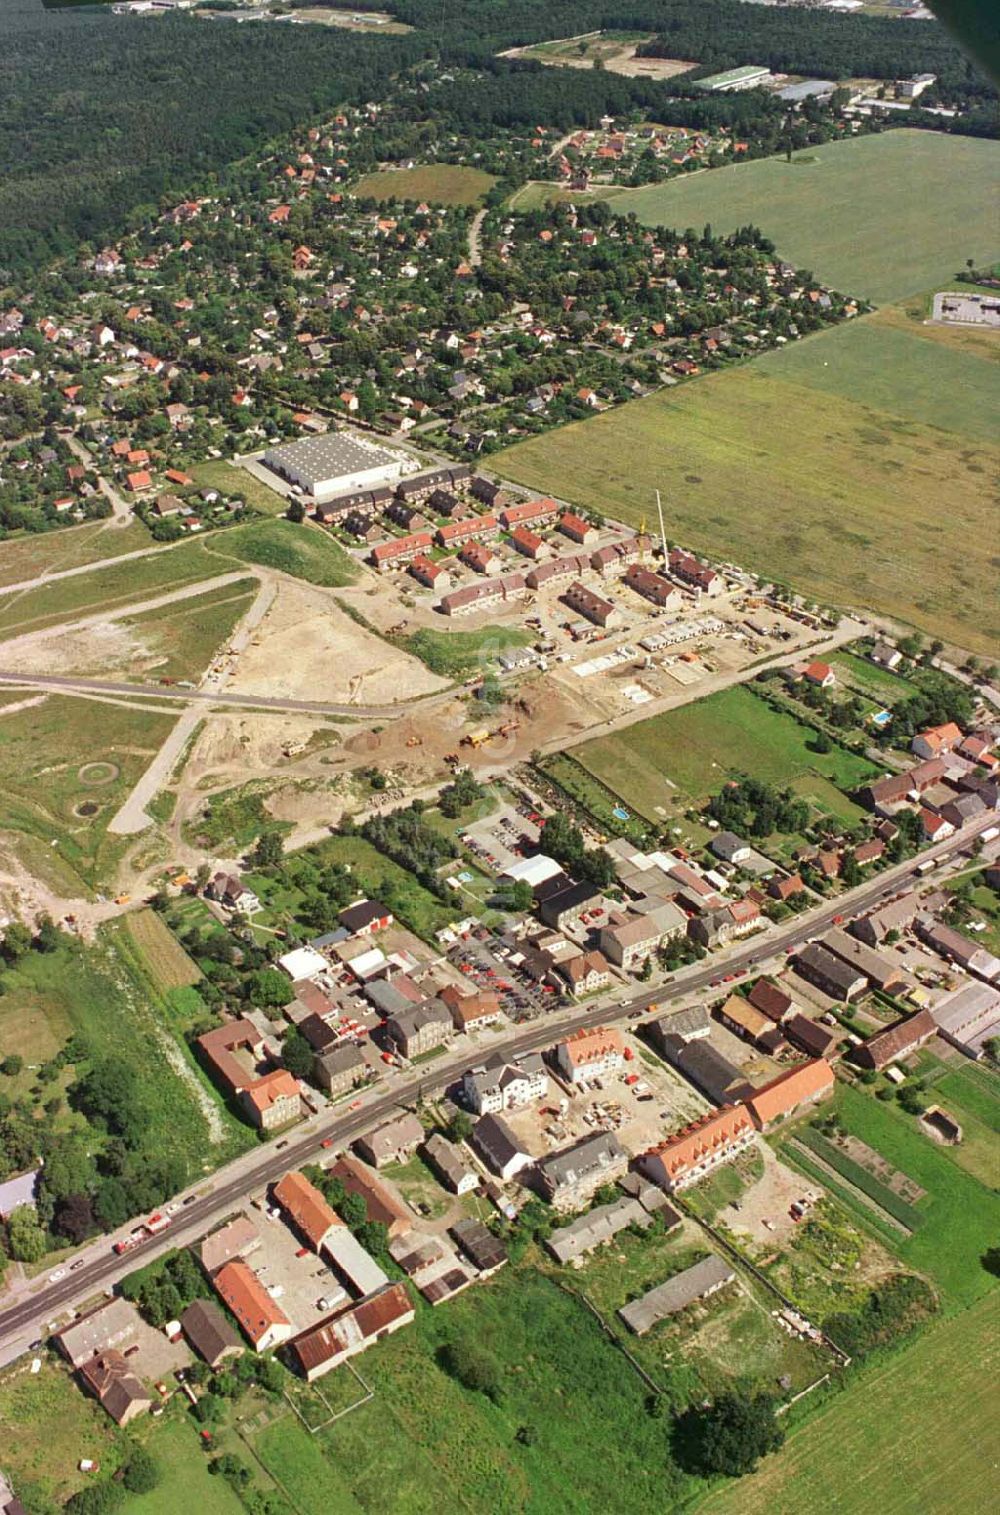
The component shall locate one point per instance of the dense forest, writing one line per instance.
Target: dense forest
(101, 114)
(726, 33)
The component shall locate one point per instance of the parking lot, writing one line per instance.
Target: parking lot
(296, 1282)
(487, 963)
(508, 834)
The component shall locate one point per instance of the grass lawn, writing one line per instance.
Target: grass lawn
(183, 638)
(24, 557)
(239, 482)
(869, 679)
(424, 1443)
(698, 746)
(304, 552)
(185, 1482)
(460, 654)
(985, 904)
(891, 368)
(46, 1425)
(64, 756)
(869, 1448)
(106, 588)
(882, 216)
(379, 876)
(437, 183)
(961, 1216)
(825, 492)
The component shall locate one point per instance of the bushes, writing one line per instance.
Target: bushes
(473, 1365)
(893, 1310)
(164, 1289)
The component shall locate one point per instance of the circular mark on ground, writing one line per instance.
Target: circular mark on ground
(88, 808)
(96, 774)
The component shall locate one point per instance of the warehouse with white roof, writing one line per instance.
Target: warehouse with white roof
(335, 463)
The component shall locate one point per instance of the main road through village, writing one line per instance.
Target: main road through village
(97, 1268)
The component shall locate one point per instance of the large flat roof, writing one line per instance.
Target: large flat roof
(330, 455)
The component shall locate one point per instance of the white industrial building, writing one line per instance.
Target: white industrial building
(336, 463)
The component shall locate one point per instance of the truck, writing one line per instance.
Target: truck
(157, 1223)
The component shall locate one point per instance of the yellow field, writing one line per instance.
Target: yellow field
(911, 1438)
(164, 957)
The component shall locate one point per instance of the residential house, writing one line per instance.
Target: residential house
(750, 1023)
(365, 917)
(209, 1333)
(569, 1178)
(593, 607)
(428, 573)
(830, 973)
(597, 1227)
(260, 1317)
(115, 1386)
(305, 1209)
(111, 1325)
(531, 513)
(577, 529)
(784, 887)
(447, 1161)
(472, 1012)
(936, 740)
(690, 1024)
(784, 1095)
(697, 1150)
(563, 908)
(770, 998)
(956, 948)
(896, 916)
(341, 1068)
(585, 973)
(238, 1238)
(725, 923)
(820, 674)
(392, 1142)
(499, 1148)
(421, 1028)
(272, 1101)
(652, 586)
(731, 848)
(529, 544)
(886, 655)
(883, 973)
(501, 1085)
(481, 557)
(590, 1054)
(628, 941)
(381, 1202)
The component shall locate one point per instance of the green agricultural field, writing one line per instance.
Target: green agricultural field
(869, 1448)
(24, 557)
(890, 368)
(108, 588)
(65, 767)
(832, 495)
(698, 746)
(880, 217)
(304, 552)
(437, 183)
(163, 956)
(961, 1217)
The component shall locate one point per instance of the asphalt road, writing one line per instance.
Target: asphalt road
(229, 1187)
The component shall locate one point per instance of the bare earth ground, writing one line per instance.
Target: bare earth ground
(308, 648)
(616, 58)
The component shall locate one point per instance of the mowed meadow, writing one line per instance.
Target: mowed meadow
(880, 217)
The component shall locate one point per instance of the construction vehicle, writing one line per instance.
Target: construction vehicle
(477, 738)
